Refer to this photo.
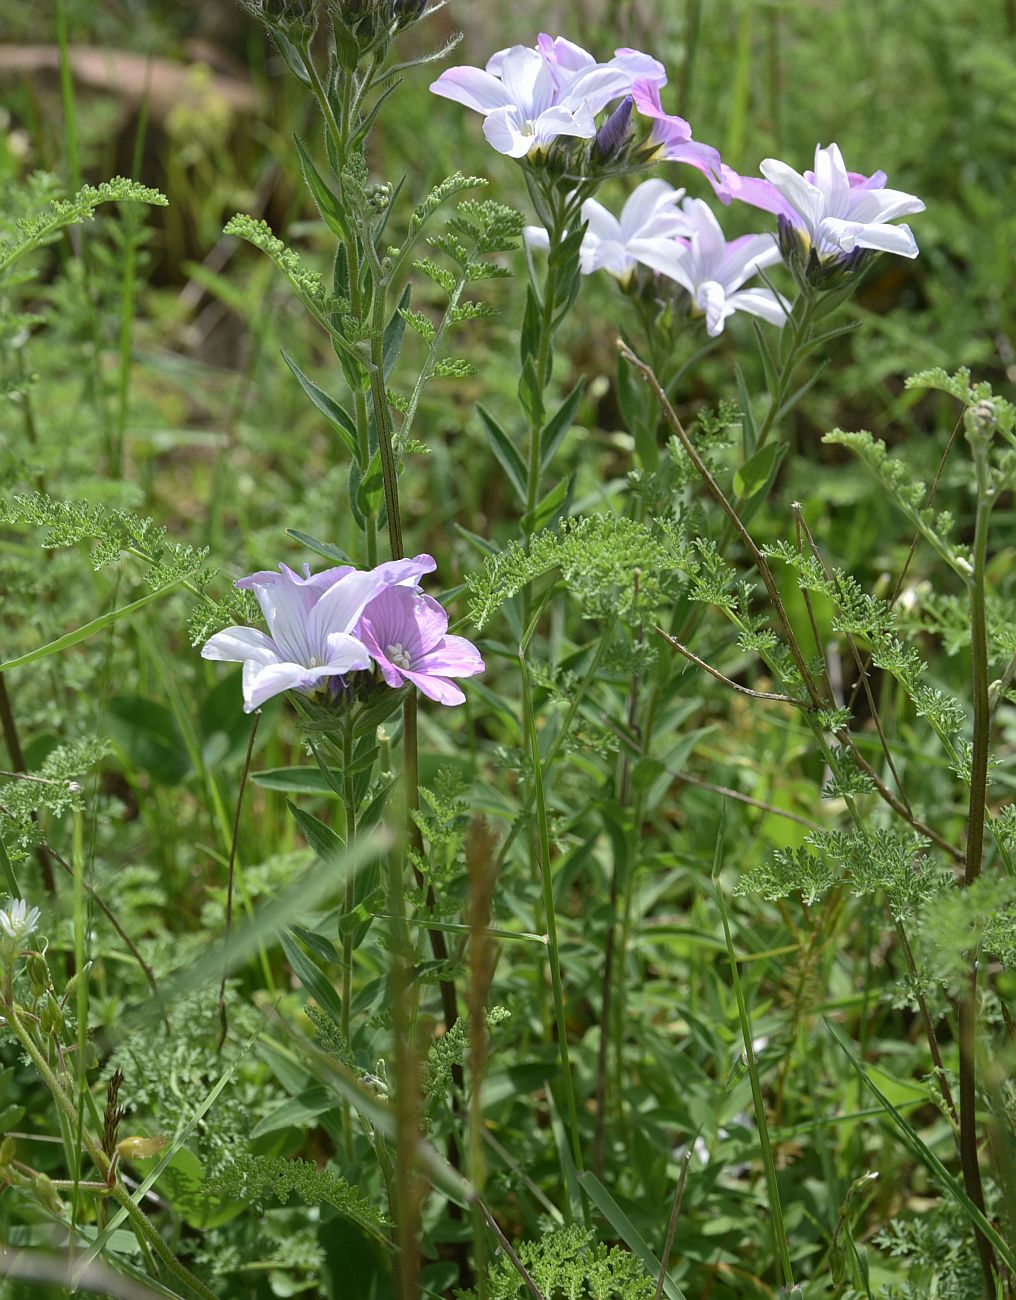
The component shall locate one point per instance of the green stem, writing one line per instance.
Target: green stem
(349, 800)
(543, 366)
(553, 950)
(776, 1210)
(145, 1230)
(975, 850)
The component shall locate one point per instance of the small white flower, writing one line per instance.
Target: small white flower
(18, 921)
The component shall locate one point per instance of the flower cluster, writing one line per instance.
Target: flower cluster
(531, 97)
(828, 218)
(324, 626)
(684, 243)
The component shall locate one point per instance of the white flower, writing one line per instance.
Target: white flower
(713, 270)
(18, 920)
(834, 211)
(650, 215)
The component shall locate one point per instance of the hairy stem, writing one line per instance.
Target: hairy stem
(975, 850)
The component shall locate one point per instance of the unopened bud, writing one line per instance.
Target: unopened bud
(47, 1193)
(51, 1017)
(613, 134)
(8, 1147)
(38, 973)
(75, 979)
(981, 421)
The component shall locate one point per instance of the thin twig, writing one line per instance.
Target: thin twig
(509, 1250)
(873, 710)
(734, 686)
(717, 493)
(672, 1225)
(745, 798)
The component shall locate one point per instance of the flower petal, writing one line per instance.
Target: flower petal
(762, 303)
(453, 656)
(261, 682)
(472, 87)
(237, 645)
(506, 132)
(339, 609)
(436, 688)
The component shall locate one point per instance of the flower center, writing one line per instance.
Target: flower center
(398, 655)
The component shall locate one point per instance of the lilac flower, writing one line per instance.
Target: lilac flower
(650, 216)
(670, 139)
(713, 270)
(831, 210)
(311, 621)
(531, 97)
(406, 633)
(526, 103)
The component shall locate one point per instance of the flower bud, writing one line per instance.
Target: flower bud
(8, 1147)
(47, 1194)
(38, 973)
(980, 422)
(51, 1016)
(612, 137)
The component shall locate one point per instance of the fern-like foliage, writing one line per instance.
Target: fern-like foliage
(112, 532)
(47, 214)
(569, 1265)
(597, 557)
(256, 1179)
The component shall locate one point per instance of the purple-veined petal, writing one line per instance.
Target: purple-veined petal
(406, 572)
(650, 210)
(704, 157)
(563, 54)
(639, 66)
(711, 299)
(527, 82)
(596, 87)
(345, 654)
(436, 688)
(339, 609)
(453, 656)
(237, 645)
(286, 606)
(745, 256)
(804, 198)
(473, 87)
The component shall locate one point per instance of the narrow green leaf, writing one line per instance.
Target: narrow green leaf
(559, 423)
(504, 450)
(321, 838)
(327, 202)
(395, 332)
(627, 1231)
(923, 1154)
(325, 549)
(293, 780)
(337, 418)
(311, 977)
(87, 629)
(756, 472)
